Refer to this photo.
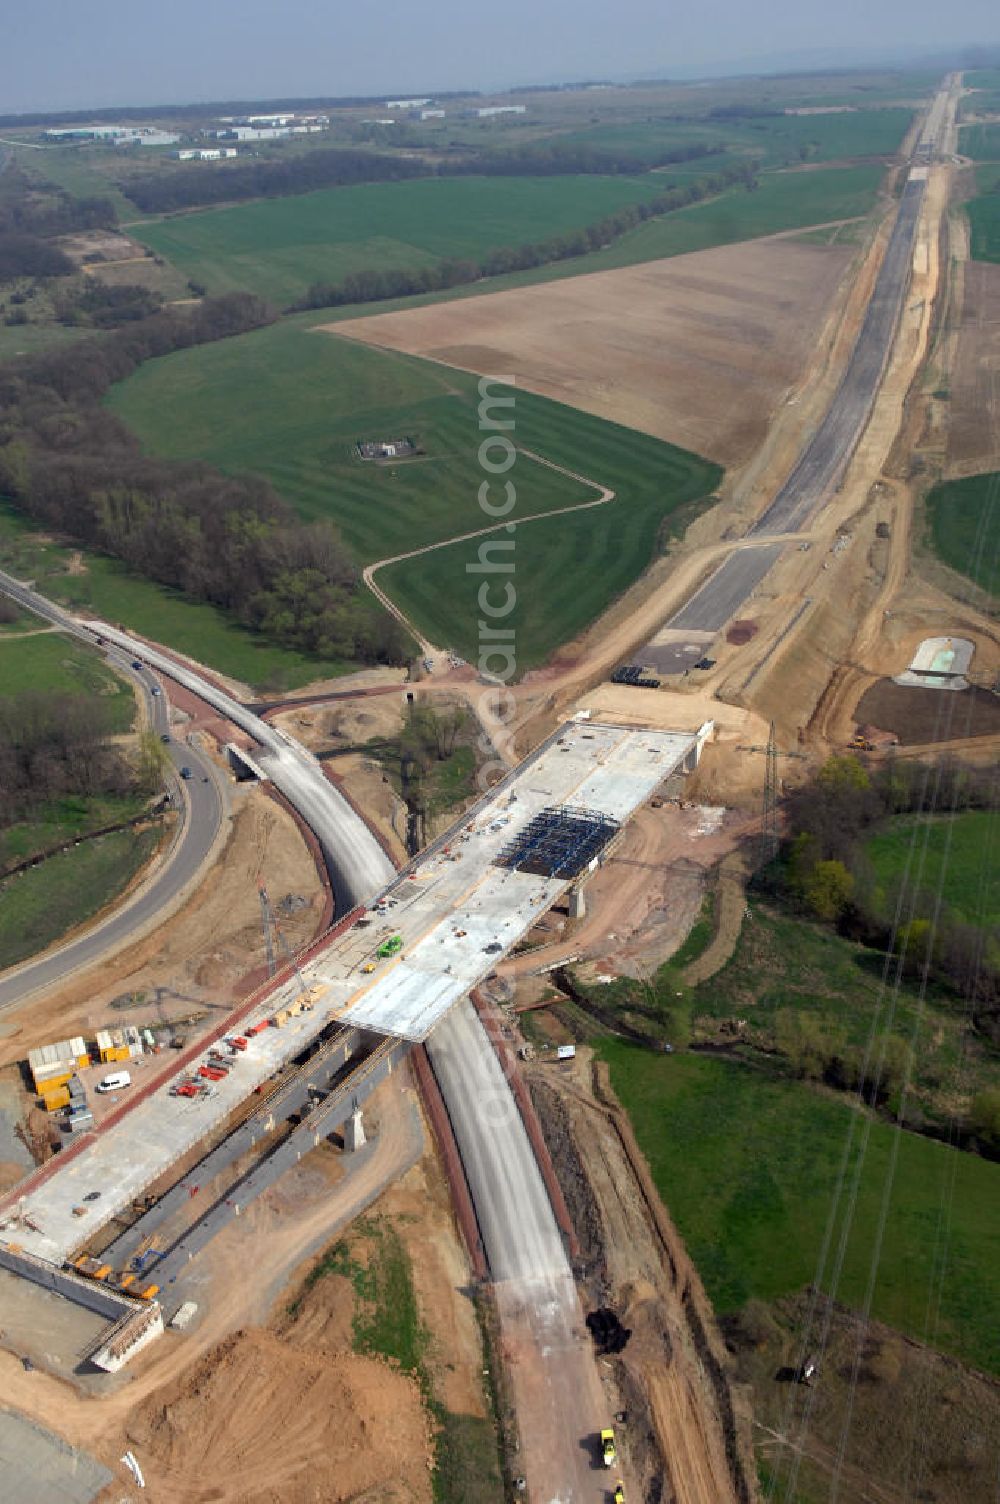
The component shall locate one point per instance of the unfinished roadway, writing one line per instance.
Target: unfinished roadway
(821, 466)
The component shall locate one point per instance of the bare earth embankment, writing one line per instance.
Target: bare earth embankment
(699, 350)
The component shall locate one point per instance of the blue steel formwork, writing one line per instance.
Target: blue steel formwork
(559, 842)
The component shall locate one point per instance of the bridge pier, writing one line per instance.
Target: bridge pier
(354, 1133)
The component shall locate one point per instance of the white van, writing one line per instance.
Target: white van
(115, 1082)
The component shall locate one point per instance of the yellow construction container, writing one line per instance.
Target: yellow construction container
(119, 1052)
(55, 1097)
(54, 1082)
(149, 1292)
(53, 1064)
(280, 1019)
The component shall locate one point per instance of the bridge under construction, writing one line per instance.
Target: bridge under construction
(336, 1021)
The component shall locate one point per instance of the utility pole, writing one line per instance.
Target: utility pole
(267, 920)
(769, 821)
(769, 806)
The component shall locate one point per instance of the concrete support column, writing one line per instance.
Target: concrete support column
(354, 1132)
(577, 903)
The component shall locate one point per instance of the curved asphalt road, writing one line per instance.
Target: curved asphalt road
(202, 801)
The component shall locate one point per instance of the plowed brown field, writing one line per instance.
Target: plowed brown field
(699, 350)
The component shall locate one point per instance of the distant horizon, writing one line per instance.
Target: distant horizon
(929, 63)
(246, 52)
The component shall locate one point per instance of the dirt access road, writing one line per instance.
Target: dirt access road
(687, 1426)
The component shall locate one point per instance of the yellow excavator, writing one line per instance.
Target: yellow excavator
(619, 1494)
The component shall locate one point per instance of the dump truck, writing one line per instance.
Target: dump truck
(390, 947)
(619, 1494)
(608, 1452)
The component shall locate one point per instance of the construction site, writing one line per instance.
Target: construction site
(225, 1194)
(323, 1039)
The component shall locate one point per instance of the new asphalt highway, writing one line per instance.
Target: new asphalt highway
(821, 465)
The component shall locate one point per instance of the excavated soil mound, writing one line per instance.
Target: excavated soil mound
(929, 715)
(262, 1422)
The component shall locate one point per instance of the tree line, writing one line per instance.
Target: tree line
(827, 873)
(29, 256)
(53, 746)
(372, 285)
(29, 218)
(334, 167)
(53, 212)
(571, 158)
(232, 541)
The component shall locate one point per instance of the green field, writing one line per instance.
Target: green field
(41, 905)
(749, 1170)
(50, 661)
(964, 518)
(984, 215)
(956, 856)
(112, 592)
(567, 569)
(63, 820)
(775, 140)
(277, 247)
(980, 142)
(785, 966)
(986, 99)
(292, 404)
(29, 339)
(782, 201)
(80, 170)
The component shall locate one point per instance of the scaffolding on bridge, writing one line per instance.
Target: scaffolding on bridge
(559, 842)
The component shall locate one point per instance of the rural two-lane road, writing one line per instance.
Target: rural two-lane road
(201, 801)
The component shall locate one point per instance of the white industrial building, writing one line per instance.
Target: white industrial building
(120, 135)
(205, 153)
(406, 104)
(486, 110)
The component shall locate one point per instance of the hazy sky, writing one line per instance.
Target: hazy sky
(75, 53)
